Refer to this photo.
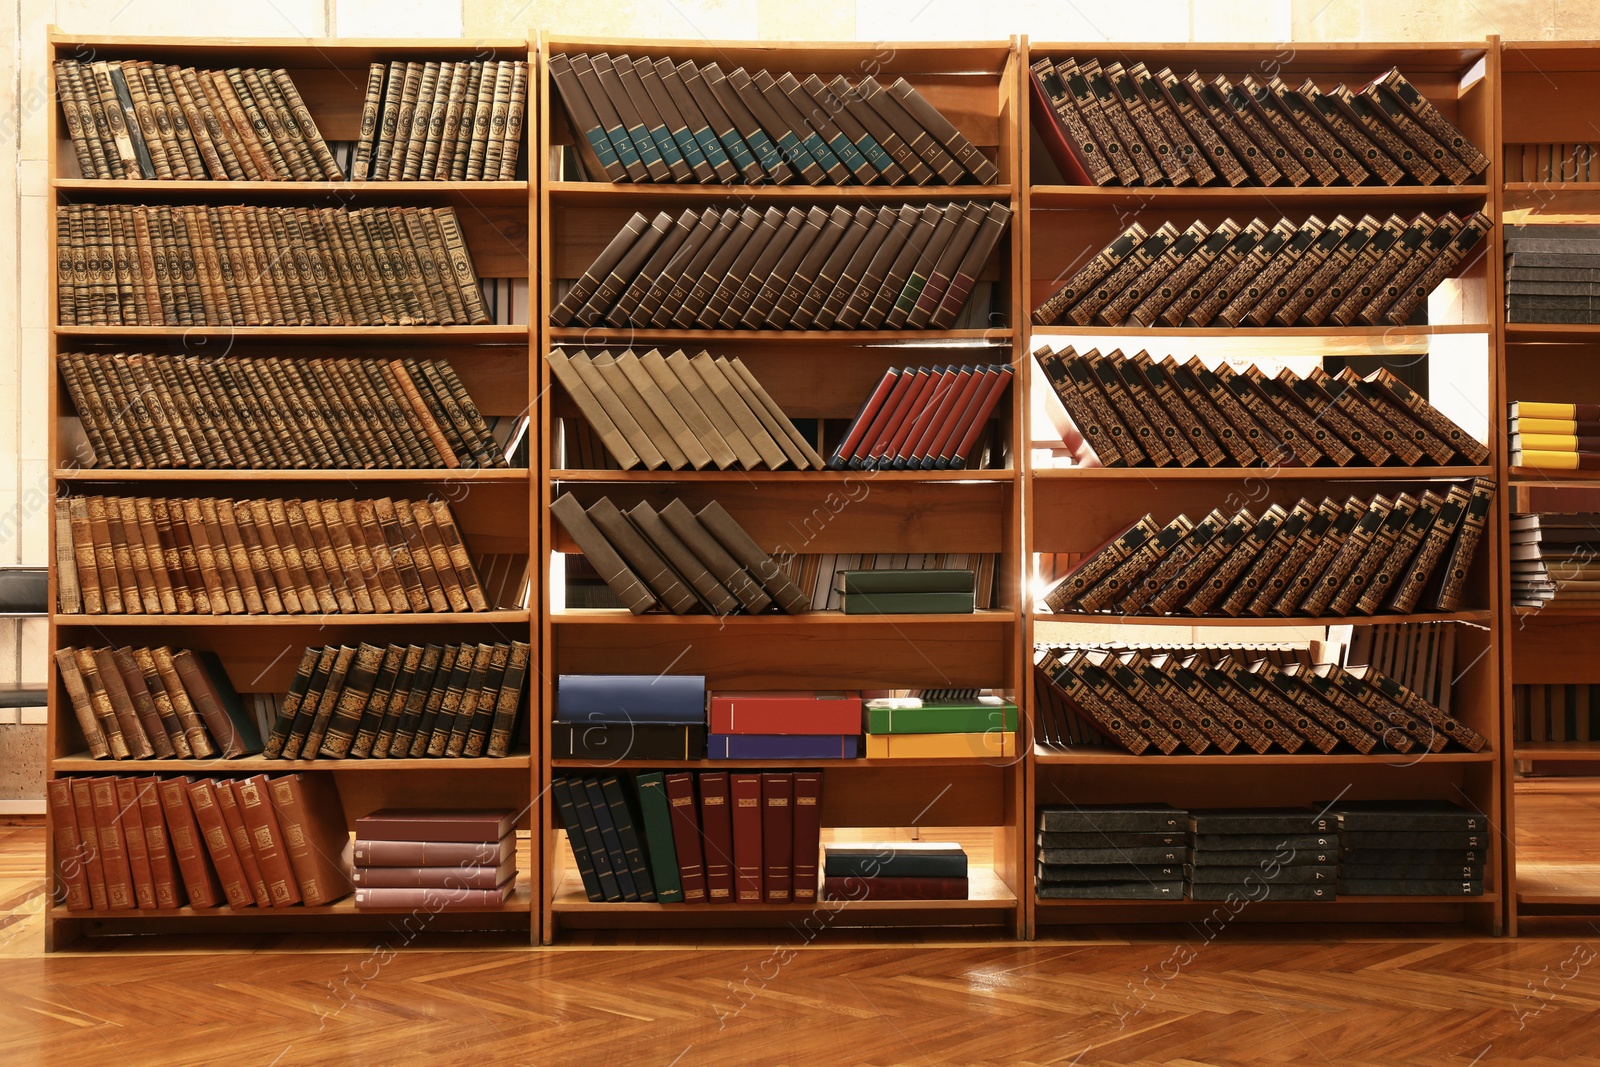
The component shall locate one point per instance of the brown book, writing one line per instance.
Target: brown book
(1398, 561)
(1153, 133)
(1350, 554)
(714, 375)
(1217, 152)
(1213, 548)
(97, 737)
(1272, 449)
(1360, 112)
(131, 822)
(112, 852)
(1243, 555)
(1127, 574)
(1376, 556)
(190, 845)
(1462, 550)
(106, 690)
(1307, 702)
(1192, 429)
(1108, 720)
(642, 556)
(356, 687)
(1258, 573)
(1077, 406)
(586, 376)
(244, 852)
(1287, 718)
(1223, 261)
(1349, 133)
(507, 703)
(818, 273)
(1214, 697)
(1099, 563)
(600, 553)
(1211, 108)
(1293, 106)
(266, 839)
(1302, 585)
(1093, 670)
(267, 121)
(71, 850)
(696, 423)
(1388, 108)
(1151, 690)
(1266, 106)
(1138, 593)
(166, 734)
(716, 559)
(214, 701)
(89, 837)
(1438, 270)
(778, 425)
(1289, 564)
(752, 557)
(158, 846)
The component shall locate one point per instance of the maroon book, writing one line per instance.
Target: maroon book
(777, 837)
(745, 793)
(435, 853)
(807, 834)
(686, 836)
(452, 877)
(903, 888)
(410, 824)
(716, 826)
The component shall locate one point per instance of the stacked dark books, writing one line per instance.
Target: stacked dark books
(1314, 273)
(441, 121)
(1110, 125)
(1553, 559)
(680, 412)
(247, 265)
(155, 703)
(1555, 712)
(399, 701)
(1552, 272)
(911, 266)
(1411, 848)
(629, 716)
(653, 120)
(160, 411)
(922, 418)
(215, 556)
(714, 837)
(1418, 655)
(1366, 557)
(1128, 852)
(941, 724)
(784, 725)
(1135, 412)
(820, 575)
(894, 870)
(133, 119)
(1555, 436)
(125, 842)
(1165, 703)
(1257, 854)
(435, 859)
(904, 592)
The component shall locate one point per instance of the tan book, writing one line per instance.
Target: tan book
(388, 119)
(421, 116)
(715, 376)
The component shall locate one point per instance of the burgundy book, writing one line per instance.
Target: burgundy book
(846, 888)
(163, 866)
(267, 839)
(113, 851)
(869, 411)
(450, 877)
(744, 791)
(407, 824)
(716, 828)
(686, 836)
(188, 848)
(435, 898)
(131, 822)
(807, 834)
(777, 836)
(784, 712)
(435, 853)
(71, 855)
(218, 843)
(975, 421)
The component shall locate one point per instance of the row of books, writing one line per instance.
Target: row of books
(643, 120)
(1554, 559)
(151, 411)
(1555, 436)
(399, 701)
(1285, 273)
(713, 837)
(1553, 711)
(154, 703)
(439, 860)
(155, 120)
(1164, 702)
(908, 266)
(922, 418)
(1552, 272)
(680, 412)
(1358, 556)
(245, 265)
(1110, 125)
(887, 583)
(215, 556)
(1134, 412)
(676, 558)
(1418, 655)
(1351, 848)
(125, 842)
(1545, 162)
(441, 121)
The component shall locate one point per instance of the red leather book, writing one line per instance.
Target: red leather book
(786, 712)
(163, 865)
(847, 887)
(131, 824)
(435, 899)
(72, 876)
(865, 436)
(200, 881)
(686, 837)
(452, 877)
(947, 423)
(315, 833)
(869, 411)
(744, 791)
(397, 824)
(716, 831)
(940, 386)
(1054, 138)
(89, 835)
(976, 421)
(233, 819)
(777, 837)
(219, 845)
(433, 853)
(113, 852)
(807, 835)
(267, 840)
(928, 381)
(896, 410)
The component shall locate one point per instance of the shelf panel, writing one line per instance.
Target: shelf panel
(660, 195)
(757, 477)
(1156, 905)
(626, 335)
(83, 762)
(1552, 332)
(622, 617)
(1556, 750)
(398, 335)
(1207, 474)
(477, 618)
(1275, 198)
(986, 893)
(1477, 616)
(1052, 757)
(1566, 196)
(496, 193)
(514, 475)
(519, 901)
(1555, 478)
(1563, 611)
(569, 764)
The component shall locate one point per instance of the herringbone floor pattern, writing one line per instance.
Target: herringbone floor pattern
(1178, 1001)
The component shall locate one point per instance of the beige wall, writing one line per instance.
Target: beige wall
(24, 114)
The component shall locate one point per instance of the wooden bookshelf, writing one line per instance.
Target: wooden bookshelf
(1072, 510)
(494, 507)
(812, 375)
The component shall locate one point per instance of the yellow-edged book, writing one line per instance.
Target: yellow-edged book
(989, 744)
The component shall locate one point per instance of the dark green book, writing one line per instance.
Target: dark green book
(912, 715)
(930, 581)
(907, 603)
(655, 815)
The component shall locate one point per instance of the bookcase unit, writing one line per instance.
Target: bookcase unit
(811, 375)
(1546, 104)
(494, 507)
(1074, 510)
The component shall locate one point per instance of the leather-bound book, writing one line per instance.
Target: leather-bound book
(1349, 133)
(189, 847)
(135, 845)
(1097, 687)
(686, 836)
(1474, 521)
(158, 847)
(1396, 562)
(93, 864)
(1410, 584)
(1360, 112)
(219, 844)
(1107, 720)
(1127, 574)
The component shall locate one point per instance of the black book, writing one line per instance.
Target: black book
(589, 838)
(1111, 891)
(1144, 818)
(1274, 890)
(1395, 857)
(1113, 839)
(1079, 856)
(1260, 821)
(561, 790)
(619, 741)
(1239, 842)
(1266, 857)
(1406, 839)
(1421, 815)
(1391, 872)
(1411, 888)
(1110, 872)
(1322, 875)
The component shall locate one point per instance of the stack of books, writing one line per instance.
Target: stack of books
(1283, 273)
(444, 860)
(643, 120)
(1257, 854)
(441, 121)
(818, 573)
(913, 266)
(1110, 125)
(1550, 272)
(153, 843)
(941, 724)
(784, 725)
(155, 703)
(905, 592)
(922, 418)
(1411, 848)
(1553, 559)
(1555, 436)
(629, 716)
(894, 870)
(1133, 852)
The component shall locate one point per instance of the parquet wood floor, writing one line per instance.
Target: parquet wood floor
(1165, 1001)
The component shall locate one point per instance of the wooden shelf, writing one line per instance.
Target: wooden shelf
(1554, 478)
(1556, 750)
(84, 763)
(1234, 474)
(986, 892)
(627, 335)
(1385, 340)
(1552, 332)
(662, 194)
(1312, 906)
(518, 902)
(569, 764)
(1265, 199)
(1055, 757)
(759, 477)
(483, 193)
(1564, 196)
(444, 618)
(481, 475)
(394, 335)
(622, 617)
(1475, 616)
(1558, 611)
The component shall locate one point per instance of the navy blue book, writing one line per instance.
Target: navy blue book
(782, 746)
(561, 789)
(640, 698)
(591, 840)
(613, 843)
(895, 859)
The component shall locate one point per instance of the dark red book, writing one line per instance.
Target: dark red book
(686, 836)
(894, 410)
(716, 832)
(985, 405)
(781, 712)
(777, 837)
(218, 844)
(89, 835)
(113, 851)
(452, 877)
(163, 866)
(934, 401)
(131, 823)
(744, 791)
(917, 402)
(901, 888)
(807, 834)
(864, 419)
(188, 846)
(70, 853)
(946, 423)
(233, 819)
(409, 824)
